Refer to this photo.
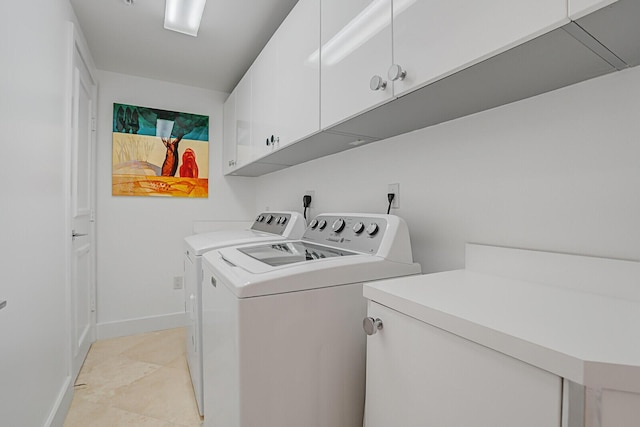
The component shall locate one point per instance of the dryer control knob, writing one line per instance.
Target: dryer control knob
(269, 219)
(371, 325)
(313, 223)
(322, 224)
(372, 229)
(338, 225)
(283, 220)
(358, 228)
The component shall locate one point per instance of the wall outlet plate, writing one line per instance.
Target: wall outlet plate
(395, 189)
(177, 282)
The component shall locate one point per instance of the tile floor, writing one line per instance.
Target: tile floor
(140, 380)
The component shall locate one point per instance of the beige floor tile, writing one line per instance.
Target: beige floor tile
(141, 380)
(102, 381)
(89, 414)
(160, 348)
(165, 394)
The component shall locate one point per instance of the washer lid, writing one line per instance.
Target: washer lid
(201, 243)
(285, 253)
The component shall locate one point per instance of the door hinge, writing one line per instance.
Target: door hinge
(93, 124)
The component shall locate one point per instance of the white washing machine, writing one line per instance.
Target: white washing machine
(268, 226)
(282, 322)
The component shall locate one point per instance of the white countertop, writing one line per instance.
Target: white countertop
(590, 339)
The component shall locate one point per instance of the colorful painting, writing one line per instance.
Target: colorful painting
(159, 153)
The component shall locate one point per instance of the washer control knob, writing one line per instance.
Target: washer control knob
(313, 223)
(258, 218)
(322, 224)
(338, 225)
(371, 325)
(283, 220)
(269, 219)
(358, 228)
(372, 229)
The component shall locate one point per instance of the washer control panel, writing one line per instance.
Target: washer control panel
(271, 222)
(359, 233)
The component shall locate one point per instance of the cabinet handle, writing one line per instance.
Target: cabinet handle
(396, 73)
(371, 325)
(376, 83)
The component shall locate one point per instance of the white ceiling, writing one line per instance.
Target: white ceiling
(132, 40)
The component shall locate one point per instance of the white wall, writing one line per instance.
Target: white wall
(557, 172)
(34, 368)
(139, 239)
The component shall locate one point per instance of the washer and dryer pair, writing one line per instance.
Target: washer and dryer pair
(283, 344)
(268, 226)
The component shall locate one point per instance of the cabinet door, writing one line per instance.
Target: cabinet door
(229, 134)
(580, 8)
(264, 90)
(435, 38)
(419, 375)
(356, 45)
(243, 120)
(298, 97)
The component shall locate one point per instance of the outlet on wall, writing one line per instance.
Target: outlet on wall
(313, 198)
(177, 282)
(395, 189)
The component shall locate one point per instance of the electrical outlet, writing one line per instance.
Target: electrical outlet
(395, 189)
(177, 282)
(313, 198)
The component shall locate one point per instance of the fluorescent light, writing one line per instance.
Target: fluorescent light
(183, 16)
(373, 19)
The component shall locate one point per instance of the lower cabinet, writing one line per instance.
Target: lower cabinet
(419, 375)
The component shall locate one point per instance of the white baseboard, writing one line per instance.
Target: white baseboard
(61, 406)
(140, 325)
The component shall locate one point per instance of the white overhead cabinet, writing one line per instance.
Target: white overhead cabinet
(435, 38)
(264, 91)
(243, 121)
(338, 74)
(356, 47)
(229, 133)
(298, 73)
(278, 100)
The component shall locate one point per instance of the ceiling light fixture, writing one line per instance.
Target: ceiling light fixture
(183, 16)
(128, 2)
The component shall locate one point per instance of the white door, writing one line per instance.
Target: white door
(82, 286)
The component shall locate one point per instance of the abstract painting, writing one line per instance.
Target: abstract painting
(159, 152)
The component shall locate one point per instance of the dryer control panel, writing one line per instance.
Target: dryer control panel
(272, 222)
(359, 232)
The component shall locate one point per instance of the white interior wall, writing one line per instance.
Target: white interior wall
(34, 368)
(139, 239)
(557, 172)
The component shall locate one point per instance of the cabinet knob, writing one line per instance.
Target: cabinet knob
(376, 83)
(371, 325)
(396, 73)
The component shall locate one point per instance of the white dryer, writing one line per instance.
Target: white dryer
(268, 226)
(282, 322)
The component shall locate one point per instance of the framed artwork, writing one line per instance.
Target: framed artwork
(159, 152)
